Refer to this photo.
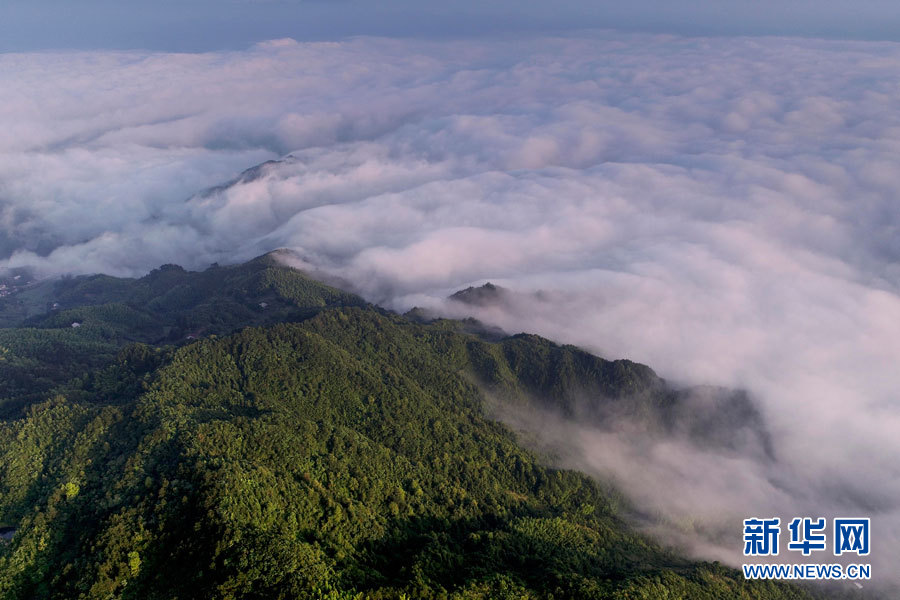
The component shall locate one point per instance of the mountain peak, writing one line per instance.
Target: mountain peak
(485, 295)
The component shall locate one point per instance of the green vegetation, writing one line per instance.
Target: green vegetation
(314, 448)
(89, 319)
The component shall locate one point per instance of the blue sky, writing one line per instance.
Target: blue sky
(200, 25)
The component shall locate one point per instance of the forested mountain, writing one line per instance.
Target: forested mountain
(68, 328)
(248, 432)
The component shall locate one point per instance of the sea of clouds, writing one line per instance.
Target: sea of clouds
(725, 210)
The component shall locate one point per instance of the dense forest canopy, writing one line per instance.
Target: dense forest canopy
(249, 432)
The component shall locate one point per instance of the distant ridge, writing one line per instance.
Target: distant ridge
(485, 295)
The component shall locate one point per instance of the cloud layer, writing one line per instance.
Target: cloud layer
(724, 210)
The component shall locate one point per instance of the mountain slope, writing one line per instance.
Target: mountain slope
(89, 319)
(346, 454)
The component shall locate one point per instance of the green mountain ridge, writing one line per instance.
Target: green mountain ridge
(87, 320)
(248, 432)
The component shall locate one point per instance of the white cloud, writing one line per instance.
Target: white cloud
(721, 209)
